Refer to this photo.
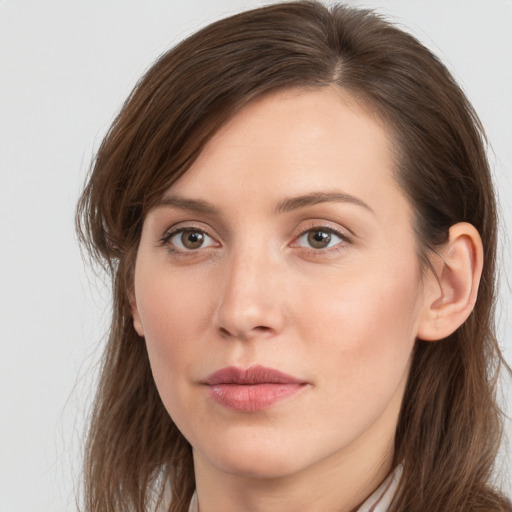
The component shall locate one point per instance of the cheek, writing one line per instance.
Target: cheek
(176, 310)
(368, 328)
(169, 321)
(171, 305)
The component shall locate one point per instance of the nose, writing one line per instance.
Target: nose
(252, 298)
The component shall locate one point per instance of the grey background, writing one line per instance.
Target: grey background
(65, 68)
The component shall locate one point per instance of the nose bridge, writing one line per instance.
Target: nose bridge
(250, 299)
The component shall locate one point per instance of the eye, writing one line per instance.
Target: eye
(188, 239)
(320, 238)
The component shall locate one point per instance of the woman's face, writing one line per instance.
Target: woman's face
(288, 245)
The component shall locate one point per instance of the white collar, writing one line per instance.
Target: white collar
(381, 498)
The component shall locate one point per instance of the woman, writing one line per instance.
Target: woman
(297, 213)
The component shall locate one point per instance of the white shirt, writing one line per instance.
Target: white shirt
(378, 502)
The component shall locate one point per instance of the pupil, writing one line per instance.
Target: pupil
(192, 239)
(319, 239)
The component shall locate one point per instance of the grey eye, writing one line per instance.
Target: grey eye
(319, 239)
(191, 239)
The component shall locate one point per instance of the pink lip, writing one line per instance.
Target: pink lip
(251, 389)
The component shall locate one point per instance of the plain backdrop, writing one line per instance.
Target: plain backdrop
(65, 68)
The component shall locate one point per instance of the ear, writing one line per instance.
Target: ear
(450, 296)
(137, 324)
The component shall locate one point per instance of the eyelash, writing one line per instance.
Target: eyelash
(345, 240)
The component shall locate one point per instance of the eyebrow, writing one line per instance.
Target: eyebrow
(195, 205)
(295, 203)
(287, 205)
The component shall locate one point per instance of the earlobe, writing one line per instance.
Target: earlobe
(450, 296)
(137, 324)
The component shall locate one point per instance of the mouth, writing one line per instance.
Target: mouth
(251, 389)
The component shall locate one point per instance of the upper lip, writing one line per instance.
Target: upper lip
(253, 375)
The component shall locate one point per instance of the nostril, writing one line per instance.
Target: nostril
(224, 332)
(262, 328)
(244, 336)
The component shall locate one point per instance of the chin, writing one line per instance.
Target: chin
(259, 460)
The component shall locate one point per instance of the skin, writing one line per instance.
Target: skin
(343, 318)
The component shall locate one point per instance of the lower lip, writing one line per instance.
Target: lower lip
(252, 397)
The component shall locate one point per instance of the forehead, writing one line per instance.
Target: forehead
(296, 141)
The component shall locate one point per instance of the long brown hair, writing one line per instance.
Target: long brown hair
(450, 425)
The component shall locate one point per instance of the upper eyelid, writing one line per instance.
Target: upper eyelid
(324, 227)
(343, 232)
(188, 224)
